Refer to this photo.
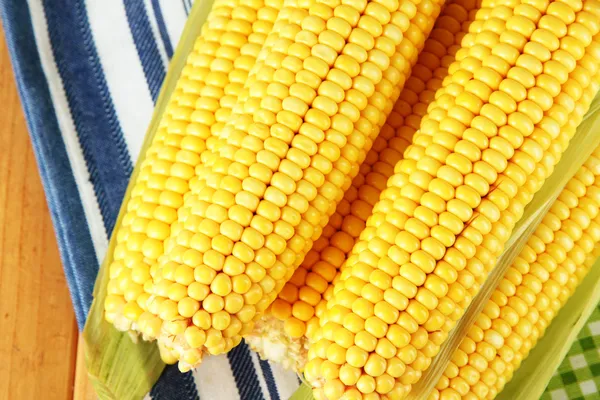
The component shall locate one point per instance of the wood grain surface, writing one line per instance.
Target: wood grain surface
(38, 333)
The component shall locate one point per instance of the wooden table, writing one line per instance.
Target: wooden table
(38, 332)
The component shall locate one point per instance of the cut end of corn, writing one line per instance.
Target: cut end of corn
(270, 340)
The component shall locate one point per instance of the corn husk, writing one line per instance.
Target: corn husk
(118, 367)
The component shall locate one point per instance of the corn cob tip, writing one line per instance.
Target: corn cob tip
(174, 349)
(272, 343)
(166, 355)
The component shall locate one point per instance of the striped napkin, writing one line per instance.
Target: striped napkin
(89, 73)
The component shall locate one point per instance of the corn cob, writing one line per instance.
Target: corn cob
(180, 240)
(300, 137)
(563, 110)
(541, 279)
(284, 333)
(206, 91)
(499, 114)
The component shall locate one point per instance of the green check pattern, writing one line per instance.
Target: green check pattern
(578, 377)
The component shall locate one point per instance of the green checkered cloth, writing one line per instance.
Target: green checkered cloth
(578, 377)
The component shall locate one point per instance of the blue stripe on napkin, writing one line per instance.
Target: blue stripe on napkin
(186, 7)
(74, 240)
(146, 46)
(92, 109)
(244, 373)
(269, 379)
(162, 27)
(174, 385)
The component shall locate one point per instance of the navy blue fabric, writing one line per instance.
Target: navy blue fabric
(74, 240)
(244, 373)
(139, 24)
(174, 385)
(93, 112)
(160, 20)
(268, 376)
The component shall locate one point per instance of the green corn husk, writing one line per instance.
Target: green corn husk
(304, 392)
(585, 141)
(117, 367)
